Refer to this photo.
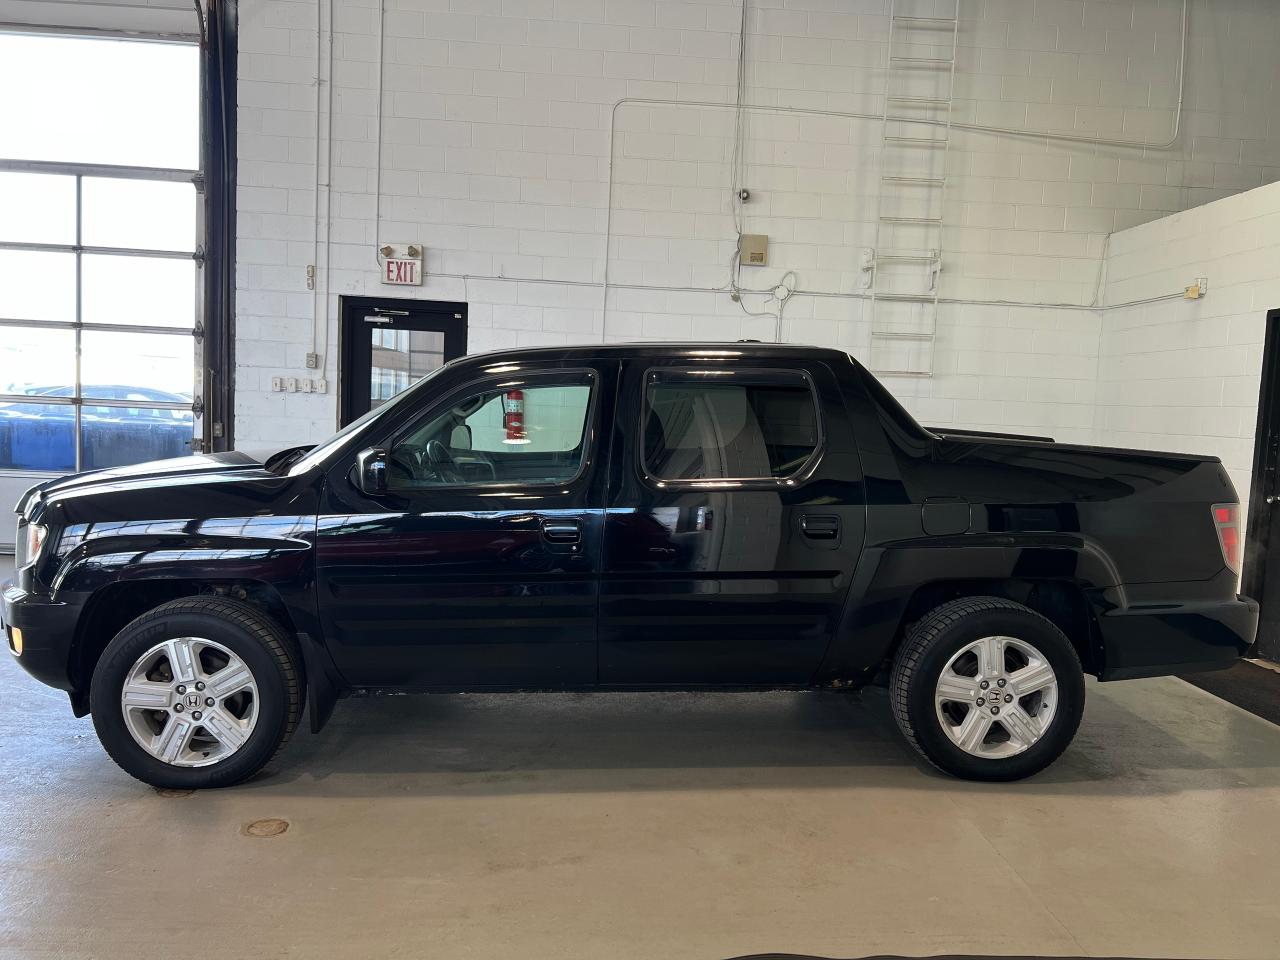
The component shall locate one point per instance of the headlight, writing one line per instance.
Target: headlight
(31, 538)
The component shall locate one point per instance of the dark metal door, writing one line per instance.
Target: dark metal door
(479, 565)
(1261, 578)
(737, 580)
(389, 344)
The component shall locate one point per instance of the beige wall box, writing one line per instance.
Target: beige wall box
(755, 249)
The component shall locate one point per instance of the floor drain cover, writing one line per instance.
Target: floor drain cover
(166, 792)
(270, 827)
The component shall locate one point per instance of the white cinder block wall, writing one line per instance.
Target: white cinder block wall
(507, 150)
(1185, 375)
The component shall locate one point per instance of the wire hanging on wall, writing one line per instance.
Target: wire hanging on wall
(323, 136)
(377, 141)
(739, 195)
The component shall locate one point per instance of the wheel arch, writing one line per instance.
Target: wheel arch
(115, 605)
(1061, 602)
(895, 585)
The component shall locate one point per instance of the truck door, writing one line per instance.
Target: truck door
(734, 521)
(479, 565)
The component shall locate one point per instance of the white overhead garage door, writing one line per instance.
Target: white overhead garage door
(99, 276)
(170, 18)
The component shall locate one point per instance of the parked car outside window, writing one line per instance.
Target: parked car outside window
(41, 436)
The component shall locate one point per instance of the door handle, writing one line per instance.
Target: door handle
(562, 531)
(820, 526)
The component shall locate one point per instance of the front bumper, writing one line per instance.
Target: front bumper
(1146, 637)
(48, 628)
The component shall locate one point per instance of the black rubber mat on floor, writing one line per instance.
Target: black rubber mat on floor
(1247, 685)
(949, 956)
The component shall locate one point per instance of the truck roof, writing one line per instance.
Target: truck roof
(692, 350)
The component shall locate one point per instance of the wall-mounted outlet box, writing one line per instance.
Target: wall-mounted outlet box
(754, 249)
(299, 384)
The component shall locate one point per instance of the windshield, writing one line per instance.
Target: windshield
(321, 452)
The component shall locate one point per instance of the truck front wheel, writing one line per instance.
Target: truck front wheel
(199, 692)
(987, 689)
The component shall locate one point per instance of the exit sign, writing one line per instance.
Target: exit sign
(402, 270)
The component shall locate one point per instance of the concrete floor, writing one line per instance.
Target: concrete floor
(643, 826)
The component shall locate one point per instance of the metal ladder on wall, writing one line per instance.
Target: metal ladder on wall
(907, 258)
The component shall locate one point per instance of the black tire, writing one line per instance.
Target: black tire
(932, 642)
(268, 651)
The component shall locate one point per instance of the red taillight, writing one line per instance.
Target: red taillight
(1226, 519)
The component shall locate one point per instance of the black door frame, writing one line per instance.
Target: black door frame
(446, 316)
(1265, 485)
(219, 52)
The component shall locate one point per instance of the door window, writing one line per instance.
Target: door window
(721, 425)
(400, 358)
(533, 432)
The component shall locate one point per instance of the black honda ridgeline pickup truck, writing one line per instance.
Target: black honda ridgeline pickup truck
(634, 517)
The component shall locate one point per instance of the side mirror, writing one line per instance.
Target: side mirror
(371, 470)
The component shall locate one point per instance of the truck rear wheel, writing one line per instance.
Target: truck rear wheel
(987, 689)
(199, 692)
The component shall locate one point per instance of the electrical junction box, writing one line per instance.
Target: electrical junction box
(754, 249)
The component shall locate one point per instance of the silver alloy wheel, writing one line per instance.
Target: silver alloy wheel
(996, 697)
(190, 702)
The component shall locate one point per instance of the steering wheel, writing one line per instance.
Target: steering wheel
(440, 462)
(438, 454)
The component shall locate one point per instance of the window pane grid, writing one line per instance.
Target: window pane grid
(140, 252)
(121, 102)
(68, 212)
(99, 228)
(137, 214)
(39, 208)
(92, 401)
(79, 413)
(119, 171)
(10, 322)
(102, 427)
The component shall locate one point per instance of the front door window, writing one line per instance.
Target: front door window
(530, 434)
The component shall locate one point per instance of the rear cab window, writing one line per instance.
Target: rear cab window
(725, 424)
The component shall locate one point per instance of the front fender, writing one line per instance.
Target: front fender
(276, 550)
(99, 569)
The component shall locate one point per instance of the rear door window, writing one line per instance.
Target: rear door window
(728, 425)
